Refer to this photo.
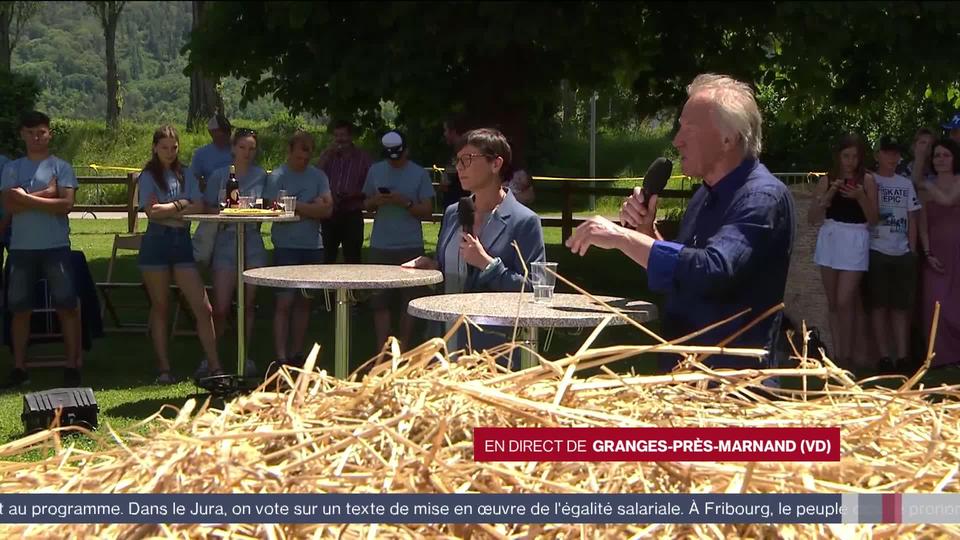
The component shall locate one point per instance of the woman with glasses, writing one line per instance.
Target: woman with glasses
(252, 181)
(483, 258)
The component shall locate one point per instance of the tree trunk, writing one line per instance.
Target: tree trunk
(205, 100)
(568, 100)
(6, 22)
(110, 37)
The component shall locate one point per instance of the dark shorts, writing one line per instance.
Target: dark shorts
(891, 281)
(29, 265)
(164, 247)
(394, 298)
(295, 257)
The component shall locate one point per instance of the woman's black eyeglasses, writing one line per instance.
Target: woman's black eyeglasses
(466, 160)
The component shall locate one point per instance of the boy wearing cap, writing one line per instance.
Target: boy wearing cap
(39, 191)
(892, 278)
(401, 194)
(215, 155)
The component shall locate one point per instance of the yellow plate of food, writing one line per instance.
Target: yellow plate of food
(250, 212)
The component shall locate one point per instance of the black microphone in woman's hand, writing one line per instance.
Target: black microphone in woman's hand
(656, 178)
(466, 211)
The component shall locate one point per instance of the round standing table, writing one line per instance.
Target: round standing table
(241, 308)
(343, 278)
(500, 309)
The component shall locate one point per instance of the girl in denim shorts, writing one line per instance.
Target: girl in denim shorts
(167, 192)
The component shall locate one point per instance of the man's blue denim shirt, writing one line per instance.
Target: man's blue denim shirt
(732, 253)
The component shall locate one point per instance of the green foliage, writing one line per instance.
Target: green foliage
(851, 63)
(819, 68)
(18, 93)
(498, 62)
(62, 47)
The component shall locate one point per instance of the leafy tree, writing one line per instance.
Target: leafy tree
(13, 17)
(494, 61)
(18, 93)
(502, 62)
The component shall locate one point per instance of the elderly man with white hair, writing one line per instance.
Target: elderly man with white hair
(733, 249)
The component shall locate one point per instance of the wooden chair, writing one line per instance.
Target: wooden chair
(131, 242)
(127, 242)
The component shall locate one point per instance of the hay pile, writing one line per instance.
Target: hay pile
(406, 427)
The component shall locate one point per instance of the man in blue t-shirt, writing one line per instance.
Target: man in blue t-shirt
(39, 191)
(298, 242)
(401, 194)
(215, 155)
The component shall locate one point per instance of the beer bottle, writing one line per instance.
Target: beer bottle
(233, 189)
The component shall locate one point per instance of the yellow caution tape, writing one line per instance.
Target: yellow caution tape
(438, 169)
(96, 167)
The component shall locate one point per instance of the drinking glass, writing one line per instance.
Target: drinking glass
(289, 205)
(544, 279)
(246, 202)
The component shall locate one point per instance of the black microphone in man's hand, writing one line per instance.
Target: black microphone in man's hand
(656, 178)
(466, 211)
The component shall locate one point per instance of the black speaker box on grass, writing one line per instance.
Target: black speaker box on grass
(78, 408)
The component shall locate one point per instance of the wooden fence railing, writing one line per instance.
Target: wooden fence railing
(567, 188)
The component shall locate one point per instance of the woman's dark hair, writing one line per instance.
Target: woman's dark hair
(491, 143)
(849, 140)
(954, 149)
(240, 133)
(155, 167)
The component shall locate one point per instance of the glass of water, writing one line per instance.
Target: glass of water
(544, 279)
(289, 205)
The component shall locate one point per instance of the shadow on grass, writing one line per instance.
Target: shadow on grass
(143, 408)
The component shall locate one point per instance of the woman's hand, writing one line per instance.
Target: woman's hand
(472, 251)
(855, 191)
(422, 262)
(935, 263)
(832, 188)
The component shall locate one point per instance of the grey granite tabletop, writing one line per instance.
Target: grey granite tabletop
(565, 310)
(341, 276)
(221, 218)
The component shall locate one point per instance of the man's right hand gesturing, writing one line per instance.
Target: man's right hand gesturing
(636, 214)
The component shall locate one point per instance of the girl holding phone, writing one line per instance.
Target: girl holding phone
(845, 202)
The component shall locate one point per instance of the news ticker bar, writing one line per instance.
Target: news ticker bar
(657, 444)
(479, 508)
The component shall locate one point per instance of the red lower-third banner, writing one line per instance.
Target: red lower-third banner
(657, 444)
